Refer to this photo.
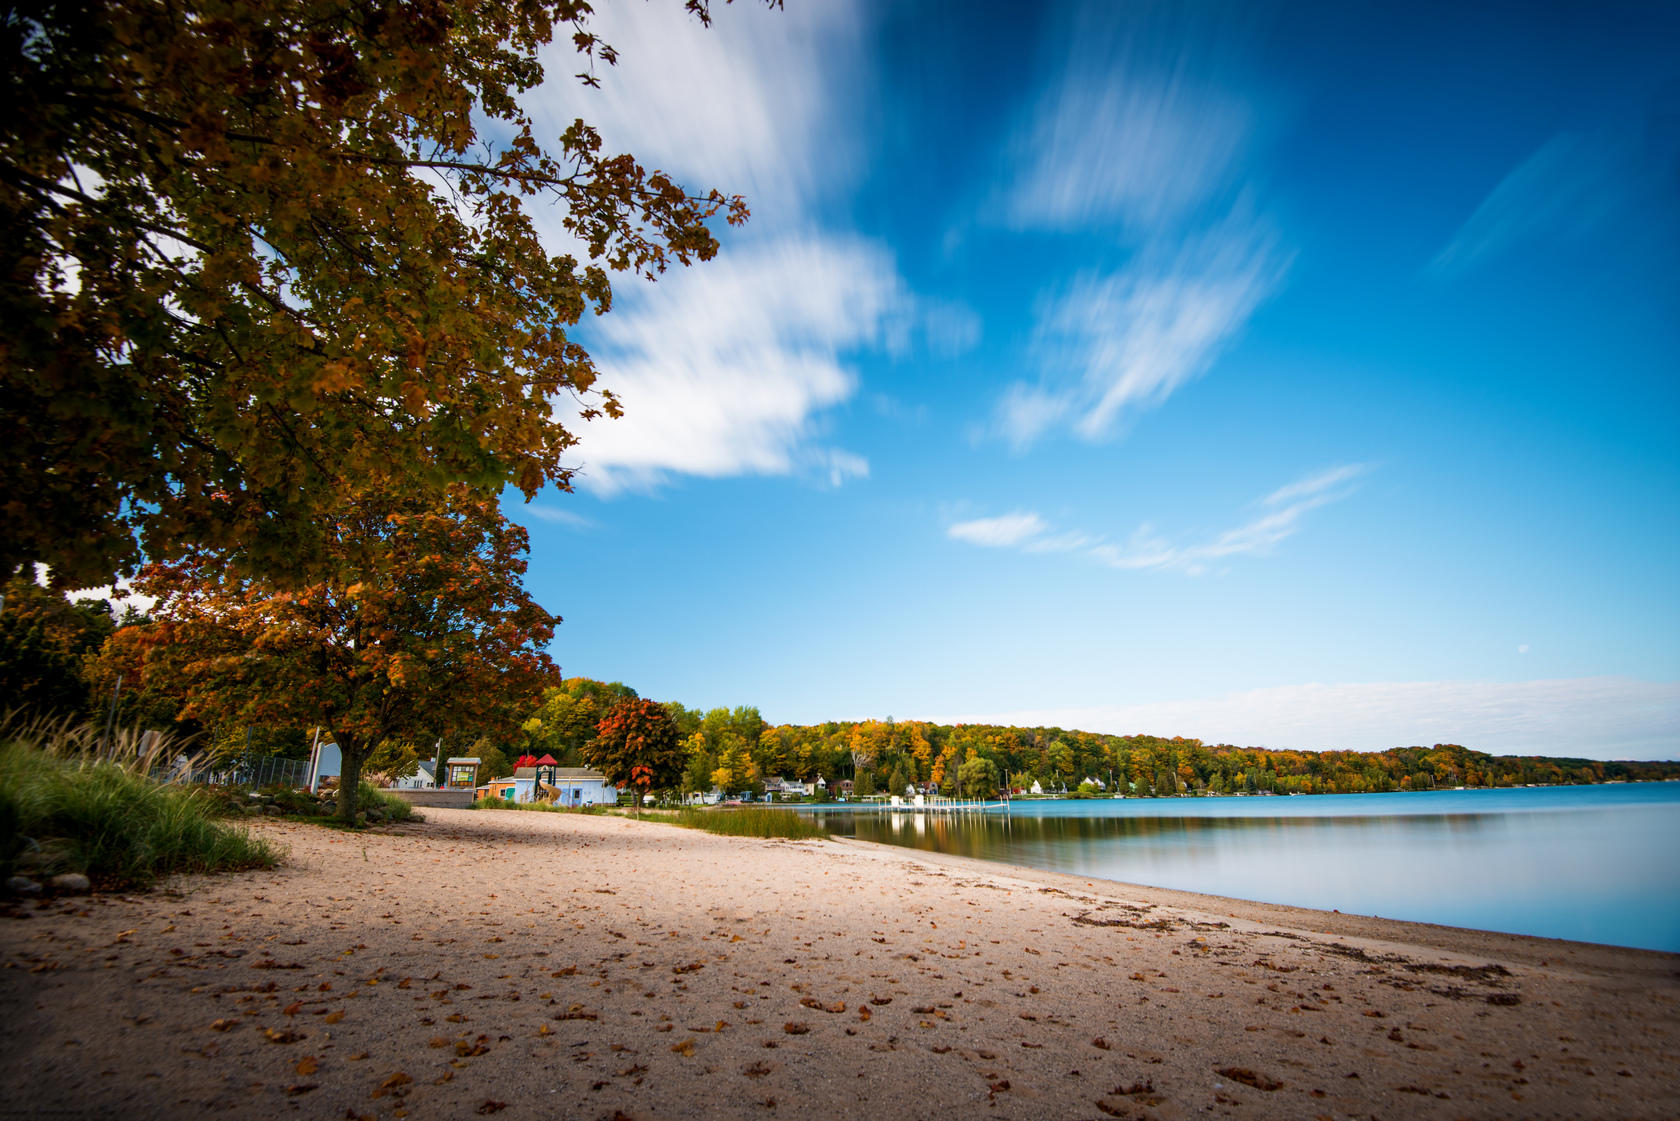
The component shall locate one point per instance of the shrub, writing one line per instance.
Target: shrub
(63, 808)
(393, 807)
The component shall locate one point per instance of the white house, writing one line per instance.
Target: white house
(780, 785)
(421, 779)
(576, 786)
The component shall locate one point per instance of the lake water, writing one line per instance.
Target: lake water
(1591, 863)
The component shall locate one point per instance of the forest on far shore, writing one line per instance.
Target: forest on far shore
(63, 659)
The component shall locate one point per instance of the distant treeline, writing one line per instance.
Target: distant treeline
(736, 748)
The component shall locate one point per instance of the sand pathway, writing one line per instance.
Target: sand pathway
(549, 965)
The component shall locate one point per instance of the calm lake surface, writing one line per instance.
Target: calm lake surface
(1592, 863)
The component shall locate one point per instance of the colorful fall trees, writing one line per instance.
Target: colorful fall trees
(633, 736)
(425, 625)
(249, 249)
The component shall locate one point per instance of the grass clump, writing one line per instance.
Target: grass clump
(395, 809)
(66, 807)
(750, 821)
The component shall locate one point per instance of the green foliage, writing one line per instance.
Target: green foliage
(865, 784)
(44, 641)
(749, 821)
(106, 819)
(392, 759)
(565, 721)
(493, 761)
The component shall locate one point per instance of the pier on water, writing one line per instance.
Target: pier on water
(921, 805)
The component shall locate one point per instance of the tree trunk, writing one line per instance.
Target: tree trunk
(349, 780)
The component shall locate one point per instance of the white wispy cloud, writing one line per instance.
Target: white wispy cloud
(1585, 717)
(1140, 134)
(1281, 514)
(1133, 128)
(537, 511)
(723, 370)
(726, 368)
(1565, 189)
(1010, 529)
(1116, 343)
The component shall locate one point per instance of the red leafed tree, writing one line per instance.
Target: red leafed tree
(424, 626)
(637, 734)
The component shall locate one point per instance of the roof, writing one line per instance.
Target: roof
(580, 773)
(465, 759)
(548, 761)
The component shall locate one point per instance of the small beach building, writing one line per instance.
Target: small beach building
(461, 772)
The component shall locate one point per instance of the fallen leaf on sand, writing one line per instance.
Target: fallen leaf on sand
(439, 1041)
(333, 1017)
(294, 1008)
(224, 1025)
(1100, 1044)
(307, 1065)
(685, 1048)
(397, 1079)
(796, 1028)
(491, 1106)
(1249, 1078)
(358, 1056)
(275, 1036)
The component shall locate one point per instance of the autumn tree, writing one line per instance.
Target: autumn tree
(249, 249)
(428, 627)
(637, 733)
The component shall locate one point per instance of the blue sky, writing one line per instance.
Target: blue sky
(1299, 375)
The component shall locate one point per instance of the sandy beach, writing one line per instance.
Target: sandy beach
(559, 965)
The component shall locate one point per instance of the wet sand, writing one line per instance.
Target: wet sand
(558, 965)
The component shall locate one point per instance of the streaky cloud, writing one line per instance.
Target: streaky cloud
(1564, 190)
(1010, 529)
(1287, 507)
(1115, 344)
(1136, 127)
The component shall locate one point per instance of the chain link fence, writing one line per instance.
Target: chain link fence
(239, 771)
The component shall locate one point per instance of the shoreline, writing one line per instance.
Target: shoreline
(1530, 949)
(599, 967)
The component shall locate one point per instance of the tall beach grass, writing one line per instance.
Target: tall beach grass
(489, 803)
(749, 821)
(71, 802)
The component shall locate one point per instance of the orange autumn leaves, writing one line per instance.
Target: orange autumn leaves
(424, 625)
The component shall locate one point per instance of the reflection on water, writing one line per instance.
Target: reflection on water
(1598, 864)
